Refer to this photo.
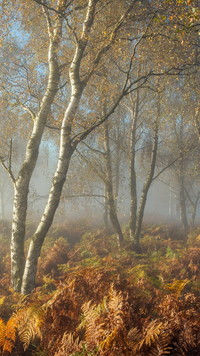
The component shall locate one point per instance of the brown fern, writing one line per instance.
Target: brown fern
(154, 340)
(29, 321)
(8, 335)
(69, 344)
(2, 333)
(92, 323)
(115, 316)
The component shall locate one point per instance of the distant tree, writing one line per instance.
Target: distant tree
(103, 158)
(185, 171)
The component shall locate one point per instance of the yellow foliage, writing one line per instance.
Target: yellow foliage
(177, 286)
(2, 332)
(7, 334)
(2, 300)
(107, 342)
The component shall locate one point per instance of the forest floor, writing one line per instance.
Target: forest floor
(93, 299)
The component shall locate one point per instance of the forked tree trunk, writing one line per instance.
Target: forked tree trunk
(65, 153)
(46, 221)
(67, 142)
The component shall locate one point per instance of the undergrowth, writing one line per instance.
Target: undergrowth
(92, 299)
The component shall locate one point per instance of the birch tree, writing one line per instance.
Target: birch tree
(103, 158)
(84, 42)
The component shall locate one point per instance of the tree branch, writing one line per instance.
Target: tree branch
(9, 167)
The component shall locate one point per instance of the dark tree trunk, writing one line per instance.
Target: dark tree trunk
(133, 181)
(109, 188)
(148, 181)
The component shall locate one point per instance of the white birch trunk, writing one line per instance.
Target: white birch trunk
(65, 153)
(21, 184)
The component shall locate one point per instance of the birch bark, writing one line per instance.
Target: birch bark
(65, 153)
(21, 183)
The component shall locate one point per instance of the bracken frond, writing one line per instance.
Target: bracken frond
(151, 334)
(29, 321)
(2, 332)
(161, 346)
(115, 306)
(103, 322)
(107, 342)
(94, 328)
(133, 337)
(177, 286)
(159, 351)
(69, 344)
(10, 335)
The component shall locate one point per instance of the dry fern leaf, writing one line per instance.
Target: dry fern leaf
(133, 336)
(7, 335)
(29, 321)
(162, 347)
(69, 344)
(2, 332)
(177, 286)
(107, 342)
(10, 335)
(92, 323)
(152, 333)
(159, 351)
(115, 306)
(115, 316)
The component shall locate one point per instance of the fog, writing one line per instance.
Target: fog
(86, 201)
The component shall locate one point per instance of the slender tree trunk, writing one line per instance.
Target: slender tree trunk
(194, 212)
(183, 214)
(183, 209)
(21, 184)
(194, 204)
(182, 195)
(109, 187)
(147, 183)
(45, 223)
(65, 154)
(117, 166)
(197, 120)
(194, 209)
(2, 204)
(105, 215)
(133, 180)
